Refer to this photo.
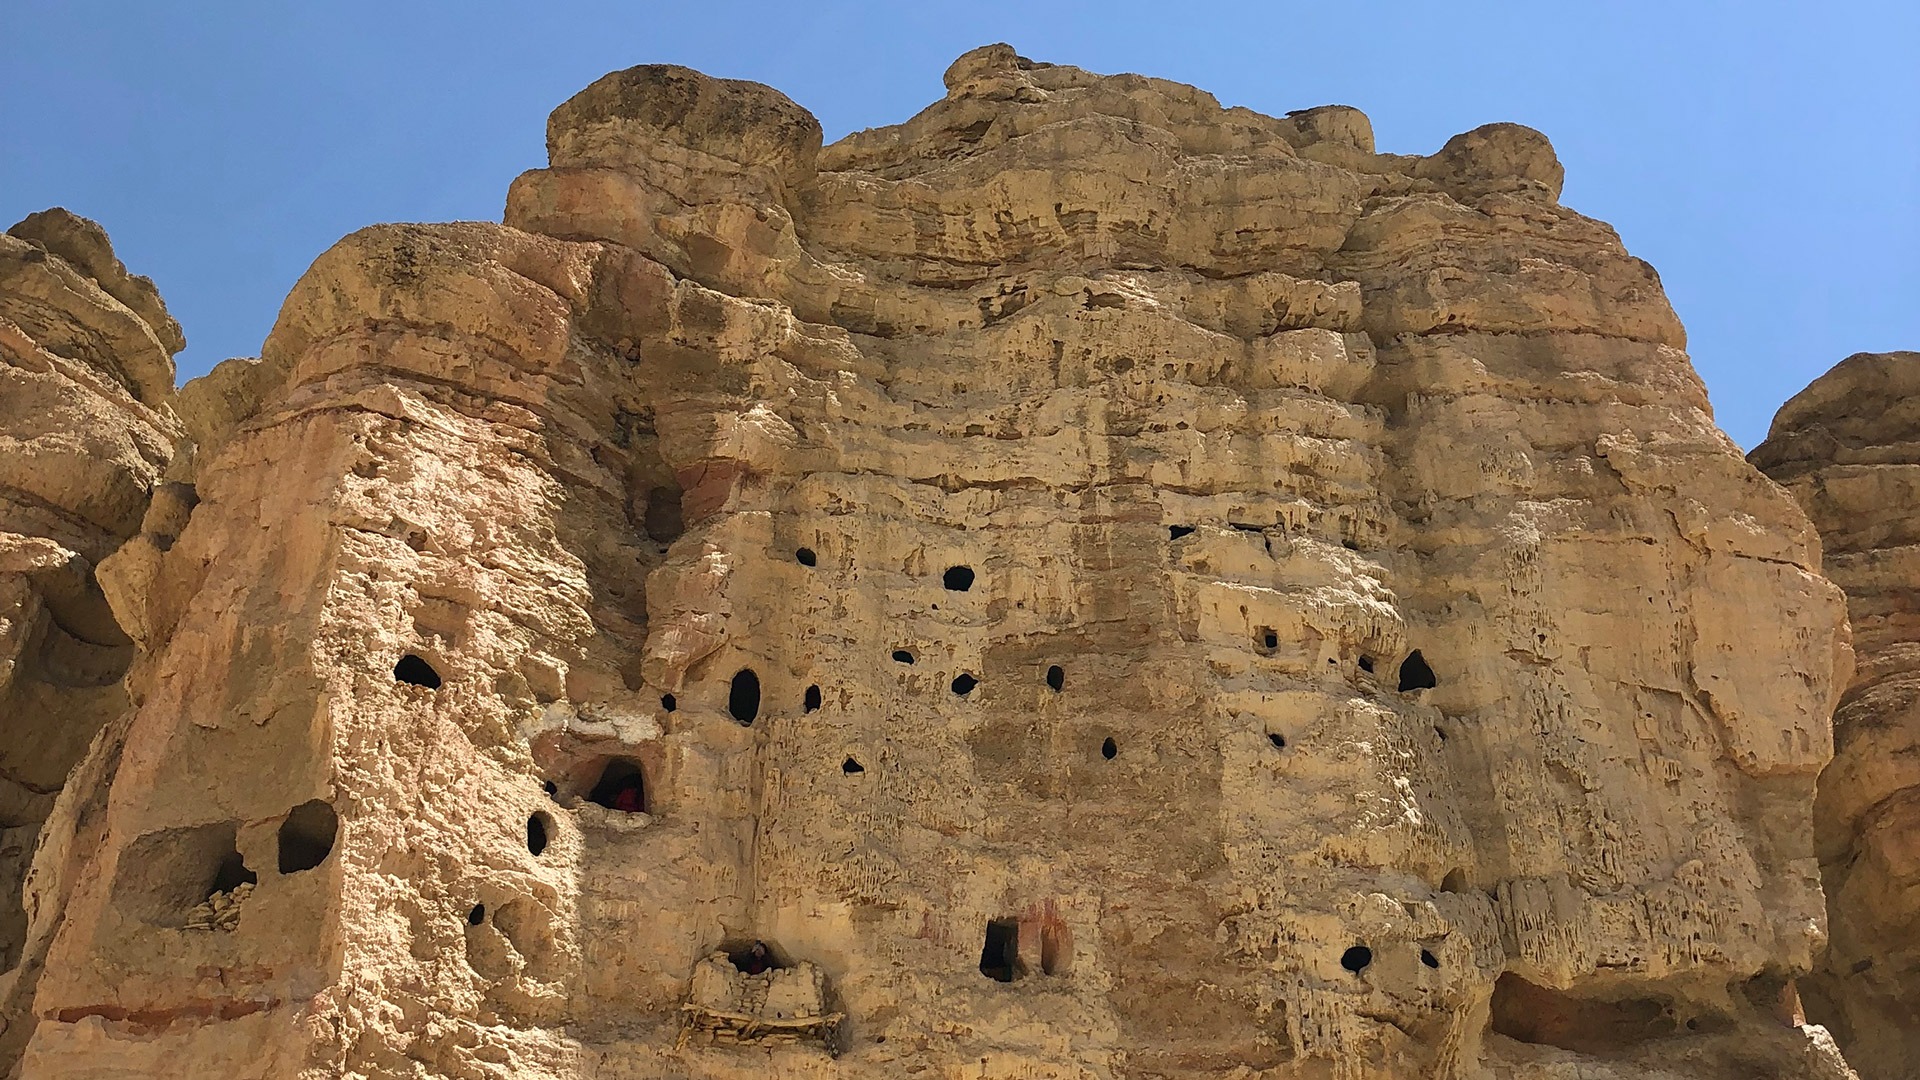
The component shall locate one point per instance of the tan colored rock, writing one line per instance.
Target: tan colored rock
(86, 372)
(1848, 447)
(1103, 585)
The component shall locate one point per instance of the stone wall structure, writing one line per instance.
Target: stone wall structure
(1848, 447)
(1099, 584)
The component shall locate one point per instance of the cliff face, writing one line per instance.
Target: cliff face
(1848, 447)
(1098, 584)
(86, 431)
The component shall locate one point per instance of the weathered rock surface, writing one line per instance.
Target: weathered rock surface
(86, 374)
(1848, 447)
(1101, 584)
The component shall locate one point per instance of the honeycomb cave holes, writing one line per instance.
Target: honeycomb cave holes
(1000, 955)
(743, 696)
(811, 703)
(805, 557)
(957, 578)
(1056, 678)
(902, 656)
(1416, 674)
(415, 671)
(1356, 959)
(1109, 749)
(539, 832)
(964, 683)
(307, 835)
(621, 786)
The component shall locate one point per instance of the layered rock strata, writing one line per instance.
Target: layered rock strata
(1104, 584)
(1848, 447)
(86, 434)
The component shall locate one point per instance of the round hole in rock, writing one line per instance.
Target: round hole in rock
(414, 671)
(1109, 749)
(538, 827)
(1175, 532)
(1278, 740)
(622, 786)
(1455, 881)
(1427, 958)
(1269, 640)
(1366, 663)
(306, 836)
(1415, 674)
(958, 578)
(1056, 677)
(806, 557)
(964, 683)
(550, 788)
(743, 697)
(850, 766)
(812, 701)
(1356, 959)
(668, 702)
(902, 656)
(478, 915)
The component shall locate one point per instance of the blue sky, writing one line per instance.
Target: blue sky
(1764, 156)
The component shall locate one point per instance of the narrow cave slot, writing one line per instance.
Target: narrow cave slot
(539, 828)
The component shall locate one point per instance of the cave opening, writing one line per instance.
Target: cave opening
(665, 518)
(1529, 1013)
(1278, 740)
(668, 702)
(1356, 959)
(230, 875)
(477, 915)
(958, 578)
(805, 557)
(902, 656)
(1056, 678)
(539, 828)
(1109, 749)
(307, 835)
(1416, 674)
(964, 683)
(1000, 956)
(852, 766)
(622, 786)
(415, 671)
(811, 701)
(743, 696)
(1175, 532)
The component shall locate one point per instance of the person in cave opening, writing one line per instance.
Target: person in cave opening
(756, 961)
(629, 797)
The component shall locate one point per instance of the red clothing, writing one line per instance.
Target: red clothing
(628, 800)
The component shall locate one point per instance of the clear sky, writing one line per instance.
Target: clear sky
(1765, 156)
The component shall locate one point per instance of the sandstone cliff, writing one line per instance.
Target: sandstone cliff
(1848, 447)
(1099, 584)
(86, 432)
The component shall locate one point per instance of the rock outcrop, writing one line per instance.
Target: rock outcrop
(1099, 584)
(1848, 447)
(86, 434)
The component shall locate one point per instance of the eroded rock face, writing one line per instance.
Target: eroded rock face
(1848, 447)
(86, 375)
(1103, 584)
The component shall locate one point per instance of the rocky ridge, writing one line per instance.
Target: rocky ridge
(1848, 447)
(1108, 585)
